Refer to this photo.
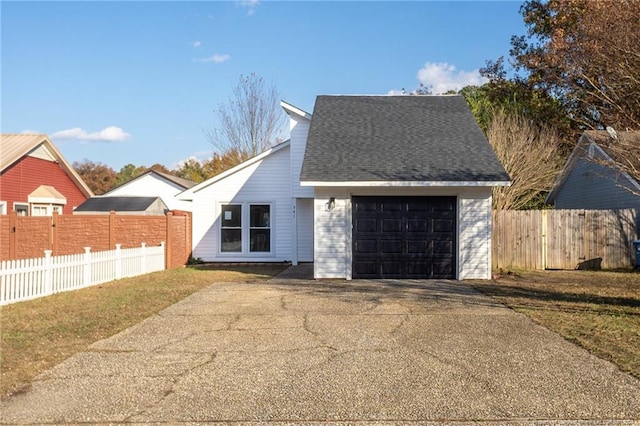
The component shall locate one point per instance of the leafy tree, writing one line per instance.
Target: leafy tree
(99, 177)
(252, 120)
(191, 169)
(586, 54)
(127, 173)
(221, 162)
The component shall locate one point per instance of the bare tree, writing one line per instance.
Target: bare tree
(252, 120)
(530, 156)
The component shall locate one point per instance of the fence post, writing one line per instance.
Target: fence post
(112, 229)
(48, 282)
(167, 262)
(54, 232)
(12, 235)
(87, 266)
(118, 262)
(164, 249)
(544, 240)
(143, 259)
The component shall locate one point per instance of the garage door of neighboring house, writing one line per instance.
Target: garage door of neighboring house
(404, 237)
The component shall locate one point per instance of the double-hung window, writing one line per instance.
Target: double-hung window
(245, 228)
(231, 229)
(260, 228)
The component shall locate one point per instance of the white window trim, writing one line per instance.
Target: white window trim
(245, 226)
(49, 208)
(17, 203)
(3, 207)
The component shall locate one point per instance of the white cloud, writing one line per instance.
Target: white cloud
(196, 44)
(217, 58)
(395, 92)
(108, 134)
(251, 5)
(442, 77)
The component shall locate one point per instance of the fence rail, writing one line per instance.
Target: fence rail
(27, 279)
(563, 239)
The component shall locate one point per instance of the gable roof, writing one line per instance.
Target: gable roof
(398, 140)
(187, 194)
(120, 204)
(623, 150)
(15, 146)
(182, 183)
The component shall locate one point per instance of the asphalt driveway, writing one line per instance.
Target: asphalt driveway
(301, 351)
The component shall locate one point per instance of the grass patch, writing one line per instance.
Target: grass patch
(37, 334)
(598, 310)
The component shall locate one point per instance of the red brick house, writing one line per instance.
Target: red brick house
(35, 179)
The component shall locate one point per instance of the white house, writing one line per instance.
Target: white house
(156, 184)
(369, 187)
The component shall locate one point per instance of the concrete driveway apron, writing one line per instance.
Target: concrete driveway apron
(302, 351)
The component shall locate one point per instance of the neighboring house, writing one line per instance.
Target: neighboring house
(149, 206)
(154, 183)
(592, 177)
(367, 187)
(35, 179)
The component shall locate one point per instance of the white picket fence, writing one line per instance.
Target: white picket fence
(26, 279)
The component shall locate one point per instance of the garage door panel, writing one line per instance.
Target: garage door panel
(391, 246)
(417, 225)
(391, 268)
(442, 247)
(366, 269)
(417, 269)
(391, 225)
(365, 246)
(366, 225)
(404, 237)
(391, 206)
(417, 247)
(443, 225)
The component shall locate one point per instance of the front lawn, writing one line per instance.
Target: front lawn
(37, 334)
(599, 311)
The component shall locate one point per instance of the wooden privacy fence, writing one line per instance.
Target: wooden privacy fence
(563, 239)
(25, 237)
(26, 279)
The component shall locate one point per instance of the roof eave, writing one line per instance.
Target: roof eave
(292, 109)
(429, 184)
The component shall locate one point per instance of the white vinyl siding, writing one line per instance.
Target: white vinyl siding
(474, 224)
(263, 182)
(332, 242)
(153, 185)
(304, 214)
(299, 127)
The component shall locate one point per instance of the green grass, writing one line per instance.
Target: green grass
(597, 310)
(37, 334)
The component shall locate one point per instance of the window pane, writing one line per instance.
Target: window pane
(260, 215)
(231, 216)
(260, 240)
(231, 240)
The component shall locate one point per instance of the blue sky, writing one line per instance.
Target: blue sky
(138, 82)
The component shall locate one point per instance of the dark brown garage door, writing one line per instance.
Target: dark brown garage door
(404, 237)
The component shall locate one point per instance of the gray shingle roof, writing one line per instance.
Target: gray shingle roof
(397, 138)
(119, 204)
